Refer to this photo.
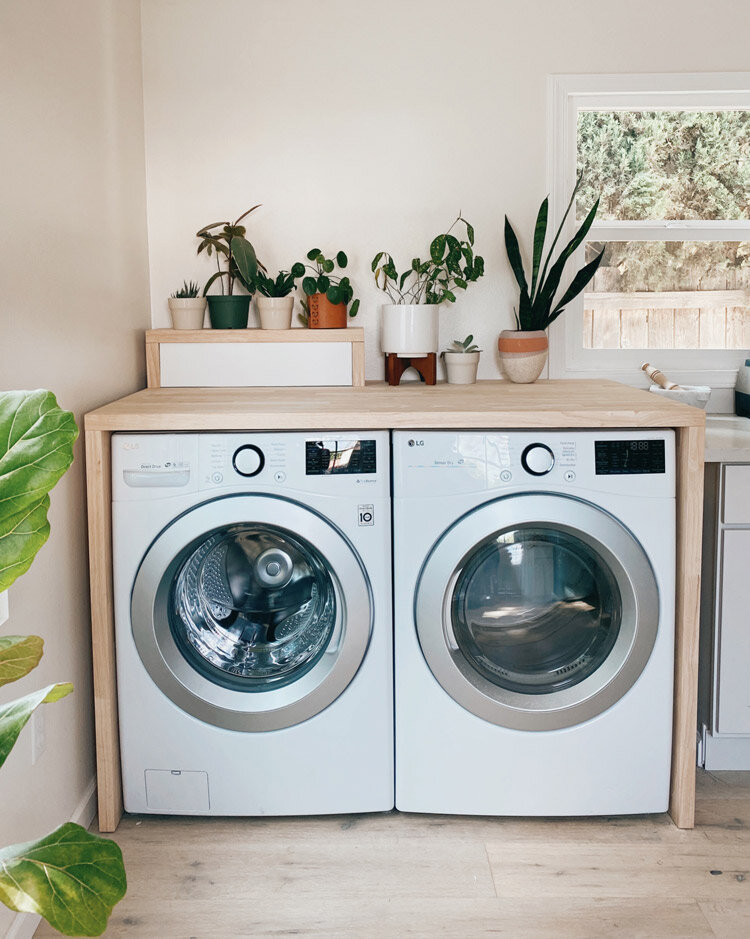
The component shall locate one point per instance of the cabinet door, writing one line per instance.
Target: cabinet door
(733, 697)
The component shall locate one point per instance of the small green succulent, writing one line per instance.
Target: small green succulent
(189, 289)
(463, 345)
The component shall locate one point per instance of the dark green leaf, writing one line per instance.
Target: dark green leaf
(376, 259)
(18, 656)
(470, 233)
(246, 261)
(334, 294)
(71, 877)
(298, 270)
(327, 265)
(341, 259)
(354, 308)
(323, 283)
(514, 256)
(437, 249)
(310, 285)
(313, 254)
(540, 233)
(578, 283)
(460, 282)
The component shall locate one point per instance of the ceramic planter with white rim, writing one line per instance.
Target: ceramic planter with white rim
(461, 367)
(409, 329)
(275, 312)
(523, 354)
(187, 312)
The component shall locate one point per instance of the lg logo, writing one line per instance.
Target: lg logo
(416, 443)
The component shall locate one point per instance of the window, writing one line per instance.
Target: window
(669, 158)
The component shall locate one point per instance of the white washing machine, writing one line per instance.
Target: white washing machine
(252, 582)
(534, 621)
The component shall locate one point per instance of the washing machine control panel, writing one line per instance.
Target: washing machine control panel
(537, 459)
(248, 460)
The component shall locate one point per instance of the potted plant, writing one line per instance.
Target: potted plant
(273, 297)
(410, 320)
(523, 351)
(327, 295)
(70, 877)
(461, 361)
(229, 310)
(187, 307)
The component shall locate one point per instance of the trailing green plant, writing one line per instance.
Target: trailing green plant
(284, 283)
(463, 345)
(452, 265)
(233, 250)
(187, 291)
(323, 280)
(70, 877)
(537, 307)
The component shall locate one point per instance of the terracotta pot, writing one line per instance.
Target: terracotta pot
(275, 312)
(187, 312)
(523, 354)
(461, 367)
(325, 315)
(227, 312)
(409, 329)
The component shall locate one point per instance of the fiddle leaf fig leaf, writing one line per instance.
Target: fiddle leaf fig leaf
(36, 448)
(15, 714)
(70, 877)
(18, 656)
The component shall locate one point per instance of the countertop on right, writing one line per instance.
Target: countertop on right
(727, 439)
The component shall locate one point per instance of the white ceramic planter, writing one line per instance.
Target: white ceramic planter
(461, 367)
(409, 329)
(187, 312)
(275, 312)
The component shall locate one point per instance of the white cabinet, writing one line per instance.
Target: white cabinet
(724, 701)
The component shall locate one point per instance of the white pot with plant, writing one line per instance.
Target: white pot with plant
(187, 307)
(274, 299)
(461, 361)
(523, 351)
(410, 325)
(70, 877)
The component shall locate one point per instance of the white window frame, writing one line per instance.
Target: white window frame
(567, 94)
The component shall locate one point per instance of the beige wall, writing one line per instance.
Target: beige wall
(73, 303)
(367, 126)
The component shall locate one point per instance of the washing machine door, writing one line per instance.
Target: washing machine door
(251, 612)
(537, 612)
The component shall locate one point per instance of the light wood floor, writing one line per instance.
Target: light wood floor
(398, 875)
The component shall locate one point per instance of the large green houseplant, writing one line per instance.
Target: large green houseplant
(523, 351)
(70, 877)
(235, 260)
(410, 319)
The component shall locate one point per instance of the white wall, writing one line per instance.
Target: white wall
(367, 126)
(73, 305)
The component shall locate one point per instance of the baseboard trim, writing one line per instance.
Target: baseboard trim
(24, 925)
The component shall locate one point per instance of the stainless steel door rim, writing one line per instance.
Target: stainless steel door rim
(617, 551)
(261, 710)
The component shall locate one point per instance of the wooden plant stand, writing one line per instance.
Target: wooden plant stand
(425, 366)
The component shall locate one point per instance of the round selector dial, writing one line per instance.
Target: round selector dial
(248, 460)
(537, 459)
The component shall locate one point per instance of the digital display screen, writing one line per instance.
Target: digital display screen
(625, 457)
(339, 457)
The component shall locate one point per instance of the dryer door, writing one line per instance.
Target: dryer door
(251, 612)
(537, 612)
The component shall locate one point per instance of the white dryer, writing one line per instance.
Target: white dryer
(252, 587)
(534, 621)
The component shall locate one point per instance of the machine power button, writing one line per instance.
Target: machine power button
(537, 459)
(248, 460)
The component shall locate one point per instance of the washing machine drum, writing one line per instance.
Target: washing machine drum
(537, 612)
(250, 624)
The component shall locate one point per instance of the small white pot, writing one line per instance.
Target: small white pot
(275, 312)
(410, 329)
(187, 312)
(461, 367)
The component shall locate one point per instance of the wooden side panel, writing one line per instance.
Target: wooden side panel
(358, 364)
(99, 483)
(153, 363)
(690, 447)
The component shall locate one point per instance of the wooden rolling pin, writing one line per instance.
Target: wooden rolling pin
(659, 378)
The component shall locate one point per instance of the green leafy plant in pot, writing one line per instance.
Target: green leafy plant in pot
(187, 307)
(70, 877)
(273, 297)
(235, 261)
(410, 320)
(523, 351)
(328, 296)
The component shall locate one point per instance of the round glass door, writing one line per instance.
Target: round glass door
(251, 612)
(537, 612)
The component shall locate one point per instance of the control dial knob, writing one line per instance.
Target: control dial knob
(248, 460)
(537, 459)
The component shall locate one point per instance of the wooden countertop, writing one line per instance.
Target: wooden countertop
(487, 404)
